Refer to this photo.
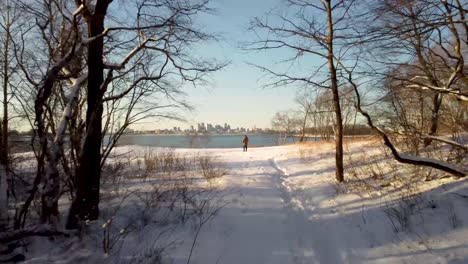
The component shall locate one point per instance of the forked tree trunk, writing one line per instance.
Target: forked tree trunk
(51, 188)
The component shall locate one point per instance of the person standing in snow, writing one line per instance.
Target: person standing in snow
(245, 141)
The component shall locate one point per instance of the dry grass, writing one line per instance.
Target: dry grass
(369, 167)
(346, 140)
(165, 189)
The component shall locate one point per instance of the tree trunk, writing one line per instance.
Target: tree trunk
(304, 124)
(3, 198)
(4, 137)
(4, 147)
(437, 102)
(88, 173)
(4, 128)
(336, 99)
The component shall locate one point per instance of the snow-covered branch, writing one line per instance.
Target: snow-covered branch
(446, 140)
(78, 11)
(445, 89)
(72, 100)
(88, 40)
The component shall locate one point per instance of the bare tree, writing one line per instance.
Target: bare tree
(431, 32)
(314, 29)
(427, 30)
(438, 69)
(323, 115)
(6, 28)
(133, 69)
(401, 157)
(62, 39)
(160, 32)
(305, 102)
(434, 33)
(287, 123)
(10, 22)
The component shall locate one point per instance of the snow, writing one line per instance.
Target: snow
(72, 98)
(79, 10)
(282, 205)
(87, 40)
(448, 141)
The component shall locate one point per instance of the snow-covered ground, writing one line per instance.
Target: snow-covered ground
(282, 205)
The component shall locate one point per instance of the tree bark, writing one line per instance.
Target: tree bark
(436, 102)
(88, 173)
(51, 187)
(4, 128)
(4, 137)
(304, 124)
(338, 131)
(3, 198)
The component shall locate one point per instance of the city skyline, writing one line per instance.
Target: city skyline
(202, 128)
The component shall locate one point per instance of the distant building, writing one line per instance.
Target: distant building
(210, 128)
(201, 127)
(218, 128)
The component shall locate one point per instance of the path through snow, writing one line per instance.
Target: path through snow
(263, 223)
(284, 209)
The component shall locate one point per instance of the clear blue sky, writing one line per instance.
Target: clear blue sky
(236, 95)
